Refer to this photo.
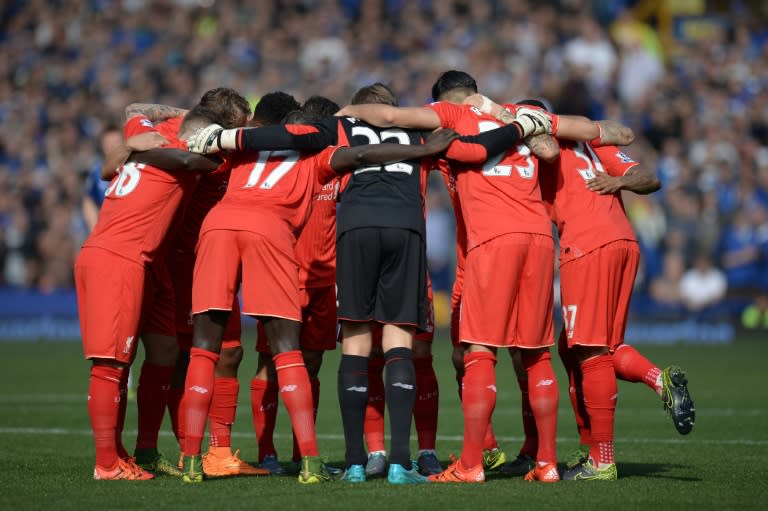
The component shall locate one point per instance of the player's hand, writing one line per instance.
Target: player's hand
(205, 140)
(533, 122)
(146, 141)
(604, 184)
(439, 140)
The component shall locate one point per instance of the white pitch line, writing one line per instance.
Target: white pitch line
(452, 438)
(29, 400)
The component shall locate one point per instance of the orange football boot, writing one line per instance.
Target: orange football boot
(544, 473)
(125, 469)
(220, 462)
(455, 473)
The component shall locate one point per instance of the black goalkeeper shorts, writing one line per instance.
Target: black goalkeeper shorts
(381, 274)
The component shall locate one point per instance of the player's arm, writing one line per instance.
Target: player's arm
(90, 212)
(641, 181)
(153, 112)
(177, 160)
(346, 159)
(213, 138)
(120, 154)
(386, 116)
(476, 149)
(613, 133)
(544, 146)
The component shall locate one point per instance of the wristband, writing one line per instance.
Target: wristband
(598, 140)
(227, 139)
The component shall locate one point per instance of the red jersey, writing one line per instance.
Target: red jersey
(316, 246)
(209, 191)
(502, 196)
(585, 220)
(270, 193)
(141, 201)
(461, 229)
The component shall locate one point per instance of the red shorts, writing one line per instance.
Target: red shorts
(110, 290)
(158, 310)
(270, 277)
(318, 321)
(181, 270)
(458, 283)
(507, 296)
(595, 290)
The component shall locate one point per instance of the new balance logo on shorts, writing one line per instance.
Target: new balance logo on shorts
(357, 389)
(288, 388)
(402, 385)
(545, 383)
(198, 389)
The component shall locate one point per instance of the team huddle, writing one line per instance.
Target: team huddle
(315, 215)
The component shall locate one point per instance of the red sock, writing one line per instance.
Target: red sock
(478, 404)
(152, 399)
(630, 365)
(223, 409)
(489, 440)
(174, 410)
(264, 413)
(315, 383)
(543, 395)
(531, 443)
(600, 394)
(296, 392)
(103, 409)
(198, 393)
(427, 400)
(374, 411)
(575, 393)
(121, 414)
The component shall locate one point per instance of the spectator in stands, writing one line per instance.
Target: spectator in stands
(665, 289)
(703, 285)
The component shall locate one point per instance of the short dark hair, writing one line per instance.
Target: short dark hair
(375, 93)
(451, 80)
(299, 117)
(535, 102)
(320, 107)
(273, 107)
(229, 103)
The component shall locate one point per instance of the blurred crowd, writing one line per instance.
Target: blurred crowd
(697, 101)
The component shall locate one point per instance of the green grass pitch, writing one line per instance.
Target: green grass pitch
(47, 451)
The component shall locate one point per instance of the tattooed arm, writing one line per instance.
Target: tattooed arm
(544, 146)
(153, 112)
(614, 133)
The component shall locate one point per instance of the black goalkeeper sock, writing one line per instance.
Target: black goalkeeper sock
(400, 395)
(353, 398)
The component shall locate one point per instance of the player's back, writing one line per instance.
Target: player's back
(141, 201)
(503, 195)
(270, 192)
(585, 220)
(209, 191)
(382, 195)
(316, 246)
